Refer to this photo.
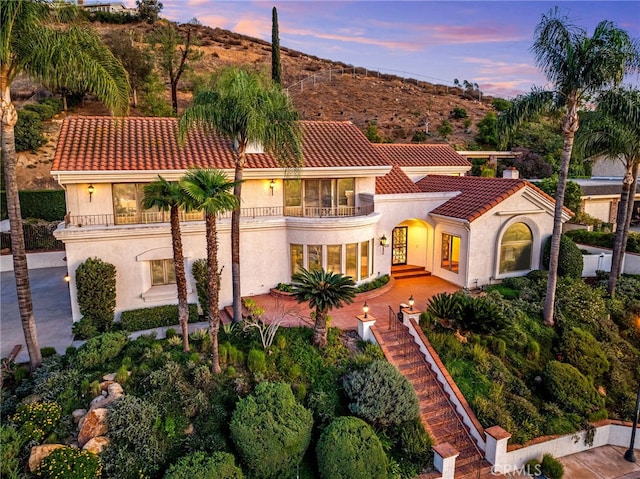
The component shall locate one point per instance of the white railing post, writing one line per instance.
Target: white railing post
(444, 459)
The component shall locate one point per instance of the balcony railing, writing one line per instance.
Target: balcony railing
(150, 217)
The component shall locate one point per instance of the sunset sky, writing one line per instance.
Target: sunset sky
(486, 42)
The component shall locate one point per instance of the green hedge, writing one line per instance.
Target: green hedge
(155, 317)
(604, 240)
(44, 204)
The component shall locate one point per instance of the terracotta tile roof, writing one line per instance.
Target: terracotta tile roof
(478, 195)
(395, 182)
(150, 144)
(421, 155)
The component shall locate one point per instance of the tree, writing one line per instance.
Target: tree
(175, 54)
(148, 10)
(276, 67)
(445, 129)
(31, 43)
(577, 66)
(165, 195)
(135, 60)
(209, 191)
(572, 193)
(613, 131)
(247, 109)
(324, 291)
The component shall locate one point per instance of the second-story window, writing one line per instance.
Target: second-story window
(319, 197)
(127, 205)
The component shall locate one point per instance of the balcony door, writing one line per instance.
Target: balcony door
(399, 246)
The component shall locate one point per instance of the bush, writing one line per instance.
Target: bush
(349, 449)
(44, 110)
(551, 467)
(458, 113)
(96, 290)
(568, 388)
(375, 284)
(256, 361)
(47, 205)
(570, 261)
(199, 272)
(100, 349)
(581, 350)
(381, 395)
(84, 329)
(11, 442)
(28, 131)
(479, 315)
(414, 446)
(604, 240)
(38, 419)
(219, 465)
(271, 430)
(155, 317)
(70, 463)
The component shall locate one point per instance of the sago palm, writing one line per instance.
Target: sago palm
(33, 42)
(169, 196)
(577, 66)
(324, 291)
(247, 109)
(210, 191)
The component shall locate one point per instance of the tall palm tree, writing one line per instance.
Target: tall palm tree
(32, 42)
(248, 109)
(324, 291)
(169, 196)
(613, 131)
(576, 66)
(210, 191)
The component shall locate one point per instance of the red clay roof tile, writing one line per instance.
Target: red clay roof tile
(402, 154)
(395, 182)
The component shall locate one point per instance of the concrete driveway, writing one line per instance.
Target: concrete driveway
(51, 306)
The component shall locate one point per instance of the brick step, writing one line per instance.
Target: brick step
(473, 460)
(226, 317)
(417, 274)
(470, 471)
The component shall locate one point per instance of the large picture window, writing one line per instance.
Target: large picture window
(450, 254)
(319, 197)
(162, 272)
(334, 258)
(352, 260)
(314, 256)
(515, 248)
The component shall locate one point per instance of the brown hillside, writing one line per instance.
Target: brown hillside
(321, 90)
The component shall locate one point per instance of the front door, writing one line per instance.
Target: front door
(399, 246)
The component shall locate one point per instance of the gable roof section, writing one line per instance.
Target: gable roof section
(151, 144)
(407, 155)
(395, 182)
(477, 195)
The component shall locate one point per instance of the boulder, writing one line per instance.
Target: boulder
(97, 402)
(115, 389)
(96, 444)
(109, 377)
(78, 414)
(38, 453)
(94, 425)
(105, 384)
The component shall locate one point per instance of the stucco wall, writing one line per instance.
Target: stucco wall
(600, 209)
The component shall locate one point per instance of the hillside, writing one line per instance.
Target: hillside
(321, 90)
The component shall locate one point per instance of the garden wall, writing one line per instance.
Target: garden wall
(53, 259)
(631, 262)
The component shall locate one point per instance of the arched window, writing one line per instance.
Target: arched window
(515, 248)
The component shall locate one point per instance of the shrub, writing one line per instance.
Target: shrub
(604, 240)
(48, 351)
(582, 306)
(28, 131)
(96, 290)
(11, 442)
(199, 272)
(581, 350)
(38, 419)
(414, 445)
(284, 287)
(459, 112)
(271, 412)
(570, 261)
(47, 205)
(570, 389)
(445, 129)
(551, 467)
(70, 463)
(219, 465)
(100, 349)
(84, 329)
(155, 317)
(444, 306)
(480, 315)
(381, 395)
(43, 110)
(256, 361)
(375, 284)
(349, 449)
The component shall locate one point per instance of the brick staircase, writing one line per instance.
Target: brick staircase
(437, 413)
(408, 271)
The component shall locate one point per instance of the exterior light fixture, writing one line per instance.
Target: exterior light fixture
(67, 278)
(411, 302)
(365, 309)
(91, 189)
(384, 242)
(272, 185)
(630, 455)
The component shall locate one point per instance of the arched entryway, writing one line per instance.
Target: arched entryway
(411, 242)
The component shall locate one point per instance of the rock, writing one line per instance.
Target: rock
(189, 430)
(38, 453)
(96, 444)
(109, 377)
(97, 402)
(115, 389)
(94, 425)
(105, 384)
(78, 414)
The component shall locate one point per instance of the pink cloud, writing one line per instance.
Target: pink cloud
(392, 44)
(500, 68)
(460, 34)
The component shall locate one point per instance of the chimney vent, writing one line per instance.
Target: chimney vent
(511, 173)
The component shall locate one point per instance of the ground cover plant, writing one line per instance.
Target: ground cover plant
(536, 380)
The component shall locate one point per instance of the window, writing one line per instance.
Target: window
(314, 256)
(352, 260)
(297, 261)
(364, 260)
(450, 255)
(515, 248)
(127, 204)
(319, 197)
(162, 272)
(334, 258)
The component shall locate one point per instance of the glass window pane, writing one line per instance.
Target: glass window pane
(157, 272)
(124, 203)
(292, 193)
(296, 258)
(364, 260)
(334, 258)
(516, 248)
(345, 192)
(352, 260)
(455, 253)
(311, 193)
(170, 271)
(450, 252)
(314, 256)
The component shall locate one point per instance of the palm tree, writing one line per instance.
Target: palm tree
(166, 195)
(613, 131)
(324, 291)
(247, 109)
(210, 191)
(577, 66)
(32, 42)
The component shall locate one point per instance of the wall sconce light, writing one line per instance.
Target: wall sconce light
(91, 189)
(411, 302)
(272, 185)
(384, 242)
(67, 279)
(365, 309)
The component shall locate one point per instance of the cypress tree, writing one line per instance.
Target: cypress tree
(276, 69)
